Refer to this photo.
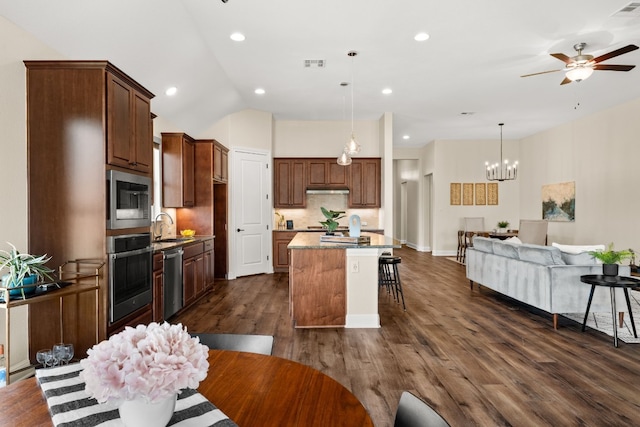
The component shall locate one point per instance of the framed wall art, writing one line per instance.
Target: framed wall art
(559, 202)
(481, 193)
(467, 193)
(455, 192)
(492, 193)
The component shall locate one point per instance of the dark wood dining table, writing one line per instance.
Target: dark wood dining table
(251, 389)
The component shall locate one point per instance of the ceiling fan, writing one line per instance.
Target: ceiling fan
(581, 66)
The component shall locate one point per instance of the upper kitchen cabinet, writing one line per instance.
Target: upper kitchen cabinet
(364, 183)
(220, 162)
(178, 176)
(289, 186)
(130, 134)
(326, 173)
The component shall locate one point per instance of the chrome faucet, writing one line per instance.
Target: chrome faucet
(157, 236)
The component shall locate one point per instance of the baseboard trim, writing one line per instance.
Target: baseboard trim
(362, 321)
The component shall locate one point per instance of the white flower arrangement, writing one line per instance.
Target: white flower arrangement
(151, 362)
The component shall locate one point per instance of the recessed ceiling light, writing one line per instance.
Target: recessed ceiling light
(171, 91)
(237, 37)
(405, 137)
(387, 91)
(259, 91)
(420, 37)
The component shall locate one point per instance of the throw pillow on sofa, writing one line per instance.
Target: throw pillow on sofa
(578, 254)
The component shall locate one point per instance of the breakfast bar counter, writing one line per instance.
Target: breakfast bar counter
(335, 284)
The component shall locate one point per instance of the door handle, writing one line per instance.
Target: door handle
(239, 230)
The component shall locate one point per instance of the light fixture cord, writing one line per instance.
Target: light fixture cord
(352, 95)
(501, 161)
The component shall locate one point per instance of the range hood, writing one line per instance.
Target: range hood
(327, 191)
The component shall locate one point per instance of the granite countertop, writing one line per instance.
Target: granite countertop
(311, 240)
(179, 241)
(317, 230)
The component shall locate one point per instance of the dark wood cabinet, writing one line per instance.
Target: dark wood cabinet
(208, 216)
(193, 270)
(158, 287)
(178, 176)
(83, 118)
(281, 255)
(364, 183)
(220, 162)
(289, 183)
(209, 264)
(129, 136)
(326, 173)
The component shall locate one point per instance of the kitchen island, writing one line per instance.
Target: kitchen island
(335, 284)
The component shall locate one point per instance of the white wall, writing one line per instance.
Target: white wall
(304, 138)
(600, 153)
(17, 46)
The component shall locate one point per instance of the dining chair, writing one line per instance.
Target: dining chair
(472, 225)
(533, 231)
(414, 412)
(261, 344)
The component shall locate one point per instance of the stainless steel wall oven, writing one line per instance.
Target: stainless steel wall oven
(130, 273)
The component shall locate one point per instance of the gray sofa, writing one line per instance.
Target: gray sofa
(540, 276)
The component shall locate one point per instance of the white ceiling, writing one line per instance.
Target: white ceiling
(472, 63)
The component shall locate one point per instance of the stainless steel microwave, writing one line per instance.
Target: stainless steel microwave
(128, 200)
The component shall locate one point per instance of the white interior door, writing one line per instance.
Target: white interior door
(251, 213)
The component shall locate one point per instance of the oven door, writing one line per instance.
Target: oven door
(130, 282)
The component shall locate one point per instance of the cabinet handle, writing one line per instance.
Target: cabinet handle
(239, 230)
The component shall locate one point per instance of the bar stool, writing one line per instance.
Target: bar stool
(389, 276)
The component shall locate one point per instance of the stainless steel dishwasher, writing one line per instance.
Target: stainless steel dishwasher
(172, 271)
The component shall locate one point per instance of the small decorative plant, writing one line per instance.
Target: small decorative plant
(609, 256)
(150, 362)
(332, 217)
(503, 224)
(21, 267)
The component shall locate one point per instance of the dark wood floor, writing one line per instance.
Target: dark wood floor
(477, 357)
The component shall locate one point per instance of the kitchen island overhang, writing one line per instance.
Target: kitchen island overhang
(335, 284)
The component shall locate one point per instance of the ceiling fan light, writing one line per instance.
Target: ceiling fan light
(579, 73)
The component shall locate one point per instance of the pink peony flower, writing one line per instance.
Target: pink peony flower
(151, 362)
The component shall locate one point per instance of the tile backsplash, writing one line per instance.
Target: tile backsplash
(311, 215)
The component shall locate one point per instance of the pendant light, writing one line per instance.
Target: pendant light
(352, 147)
(503, 171)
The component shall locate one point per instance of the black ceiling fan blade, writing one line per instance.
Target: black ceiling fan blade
(541, 72)
(614, 53)
(565, 81)
(611, 67)
(562, 57)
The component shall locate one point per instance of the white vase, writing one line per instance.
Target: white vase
(139, 413)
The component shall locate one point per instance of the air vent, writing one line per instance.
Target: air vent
(631, 10)
(314, 63)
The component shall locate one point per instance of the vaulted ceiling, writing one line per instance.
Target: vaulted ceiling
(472, 62)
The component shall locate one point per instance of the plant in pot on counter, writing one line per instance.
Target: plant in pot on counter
(24, 269)
(610, 259)
(332, 217)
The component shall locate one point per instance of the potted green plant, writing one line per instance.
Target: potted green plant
(332, 217)
(502, 226)
(24, 269)
(610, 259)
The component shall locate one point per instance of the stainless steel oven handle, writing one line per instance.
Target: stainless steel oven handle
(130, 253)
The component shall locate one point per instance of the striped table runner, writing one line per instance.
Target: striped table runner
(70, 406)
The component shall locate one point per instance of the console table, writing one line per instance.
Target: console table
(612, 282)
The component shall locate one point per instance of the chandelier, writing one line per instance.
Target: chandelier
(503, 171)
(352, 147)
